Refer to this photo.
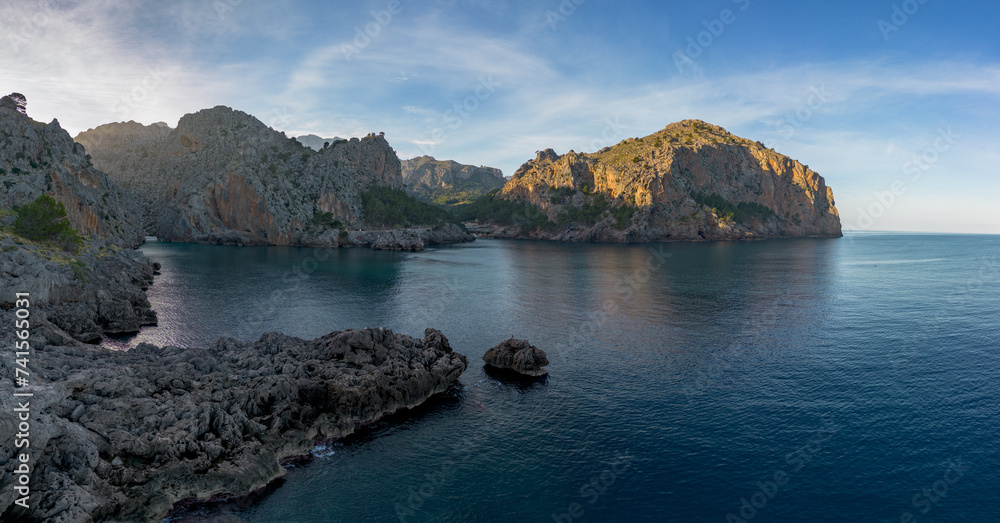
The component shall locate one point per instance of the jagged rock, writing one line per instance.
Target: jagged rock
(519, 356)
(447, 182)
(224, 177)
(99, 291)
(645, 189)
(124, 436)
(37, 158)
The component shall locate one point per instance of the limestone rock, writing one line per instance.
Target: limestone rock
(125, 436)
(224, 177)
(37, 158)
(447, 182)
(519, 356)
(689, 181)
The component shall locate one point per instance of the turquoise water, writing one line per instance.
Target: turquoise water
(796, 380)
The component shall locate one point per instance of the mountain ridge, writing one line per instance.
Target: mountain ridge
(689, 181)
(223, 176)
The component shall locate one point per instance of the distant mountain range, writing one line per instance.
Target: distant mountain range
(222, 176)
(446, 182)
(316, 143)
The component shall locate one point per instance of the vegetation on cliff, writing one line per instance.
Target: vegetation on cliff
(689, 181)
(448, 183)
(41, 159)
(491, 209)
(391, 207)
(44, 220)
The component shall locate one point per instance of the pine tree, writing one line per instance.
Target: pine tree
(45, 220)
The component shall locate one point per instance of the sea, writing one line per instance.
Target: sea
(812, 380)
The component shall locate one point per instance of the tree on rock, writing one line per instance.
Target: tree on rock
(45, 220)
(15, 101)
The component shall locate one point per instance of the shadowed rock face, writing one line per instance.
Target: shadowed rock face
(222, 176)
(124, 436)
(659, 176)
(519, 356)
(447, 182)
(37, 158)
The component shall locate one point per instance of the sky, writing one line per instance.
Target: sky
(894, 103)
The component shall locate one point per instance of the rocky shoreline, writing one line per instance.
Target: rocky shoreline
(402, 239)
(126, 436)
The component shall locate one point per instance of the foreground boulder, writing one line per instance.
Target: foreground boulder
(124, 436)
(518, 356)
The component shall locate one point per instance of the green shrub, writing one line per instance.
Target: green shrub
(326, 220)
(739, 212)
(393, 207)
(45, 220)
(491, 209)
(77, 266)
(344, 234)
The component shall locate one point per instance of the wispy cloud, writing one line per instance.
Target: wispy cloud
(94, 61)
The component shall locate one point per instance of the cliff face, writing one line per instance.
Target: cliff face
(222, 176)
(689, 181)
(38, 158)
(446, 182)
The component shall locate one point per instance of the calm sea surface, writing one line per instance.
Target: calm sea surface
(800, 380)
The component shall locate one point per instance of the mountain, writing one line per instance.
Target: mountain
(446, 182)
(37, 158)
(222, 176)
(316, 143)
(689, 181)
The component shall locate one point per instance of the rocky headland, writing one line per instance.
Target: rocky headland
(222, 176)
(689, 181)
(38, 158)
(447, 182)
(126, 436)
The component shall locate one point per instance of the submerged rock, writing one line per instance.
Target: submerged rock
(519, 356)
(124, 436)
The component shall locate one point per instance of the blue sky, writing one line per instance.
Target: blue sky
(900, 117)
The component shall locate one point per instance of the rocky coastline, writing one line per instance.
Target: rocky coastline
(128, 435)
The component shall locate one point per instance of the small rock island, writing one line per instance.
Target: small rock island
(519, 356)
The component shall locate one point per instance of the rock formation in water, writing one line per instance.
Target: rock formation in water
(446, 182)
(124, 436)
(518, 356)
(689, 181)
(224, 177)
(37, 158)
